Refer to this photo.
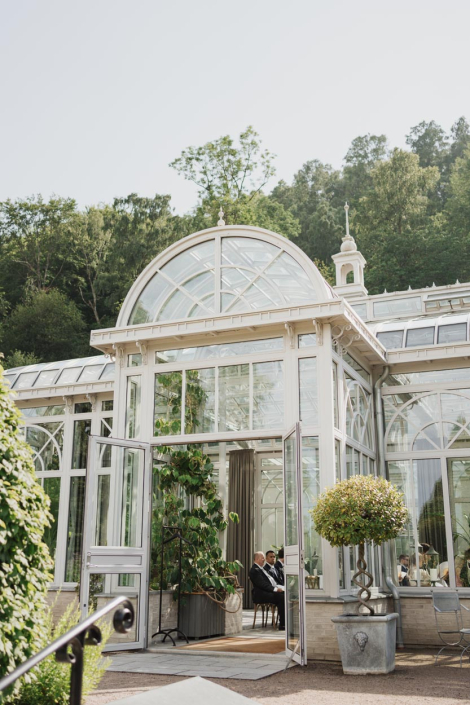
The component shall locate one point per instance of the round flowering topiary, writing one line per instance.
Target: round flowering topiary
(358, 510)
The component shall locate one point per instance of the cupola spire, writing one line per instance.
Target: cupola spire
(349, 266)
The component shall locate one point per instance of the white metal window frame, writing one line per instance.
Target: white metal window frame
(66, 472)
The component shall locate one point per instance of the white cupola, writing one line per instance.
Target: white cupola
(349, 267)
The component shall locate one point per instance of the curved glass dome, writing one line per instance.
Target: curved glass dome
(241, 274)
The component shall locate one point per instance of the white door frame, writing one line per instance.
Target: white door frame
(110, 560)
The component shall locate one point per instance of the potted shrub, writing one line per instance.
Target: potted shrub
(353, 512)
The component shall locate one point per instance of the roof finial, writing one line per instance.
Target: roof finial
(348, 241)
(221, 221)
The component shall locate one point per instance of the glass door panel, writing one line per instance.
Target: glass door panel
(294, 549)
(116, 536)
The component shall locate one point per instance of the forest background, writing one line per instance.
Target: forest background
(65, 270)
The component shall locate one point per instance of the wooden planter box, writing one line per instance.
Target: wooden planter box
(200, 617)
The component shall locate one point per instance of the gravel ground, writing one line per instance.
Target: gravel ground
(415, 681)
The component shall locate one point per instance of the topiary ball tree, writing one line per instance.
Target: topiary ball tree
(356, 511)
(24, 558)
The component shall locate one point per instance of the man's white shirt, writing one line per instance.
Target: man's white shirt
(271, 579)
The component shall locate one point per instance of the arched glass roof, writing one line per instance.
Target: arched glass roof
(224, 274)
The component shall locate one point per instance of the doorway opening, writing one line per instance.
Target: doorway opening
(249, 477)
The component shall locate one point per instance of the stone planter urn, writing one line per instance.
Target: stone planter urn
(366, 643)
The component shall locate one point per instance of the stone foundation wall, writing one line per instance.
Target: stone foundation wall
(60, 600)
(419, 623)
(322, 643)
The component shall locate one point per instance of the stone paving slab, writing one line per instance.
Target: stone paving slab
(196, 691)
(247, 668)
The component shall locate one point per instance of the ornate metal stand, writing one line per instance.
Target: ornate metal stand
(86, 632)
(175, 534)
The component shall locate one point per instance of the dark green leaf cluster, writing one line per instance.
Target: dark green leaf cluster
(359, 510)
(25, 563)
(189, 499)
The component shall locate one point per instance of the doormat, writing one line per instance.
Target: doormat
(240, 645)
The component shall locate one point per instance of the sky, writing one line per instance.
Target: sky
(99, 96)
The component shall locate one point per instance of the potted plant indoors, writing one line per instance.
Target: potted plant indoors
(353, 512)
(188, 498)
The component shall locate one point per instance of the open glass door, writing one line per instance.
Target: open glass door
(296, 643)
(116, 535)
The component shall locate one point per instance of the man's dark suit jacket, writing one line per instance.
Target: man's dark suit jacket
(280, 571)
(260, 581)
(273, 572)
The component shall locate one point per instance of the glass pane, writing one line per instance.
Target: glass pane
(133, 411)
(311, 490)
(234, 398)
(46, 441)
(25, 380)
(335, 395)
(397, 307)
(421, 483)
(307, 340)
(429, 377)
(337, 460)
(419, 336)
(90, 373)
(455, 333)
(355, 365)
(308, 390)
(200, 401)
(291, 491)
(69, 376)
(56, 410)
(102, 507)
(391, 339)
(360, 309)
(197, 259)
(291, 280)
(52, 489)
(248, 252)
(418, 414)
(81, 434)
(134, 360)
(108, 371)
(458, 472)
(177, 306)
(75, 529)
(45, 378)
(83, 407)
(293, 612)
(107, 405)
(105, 587)
(209, 352)
(168, 395)
(268, 395)
(118, 520)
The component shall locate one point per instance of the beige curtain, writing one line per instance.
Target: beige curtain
(241, 492)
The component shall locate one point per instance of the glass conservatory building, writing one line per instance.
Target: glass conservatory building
(232, 339)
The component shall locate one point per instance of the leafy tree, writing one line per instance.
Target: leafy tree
(315, 199)
(231, 176)
(429, 141)
(140, 229)
(25, 563)
(35, 241)
(393, 225)
(363, 154)
(49, 325)
(17, 358)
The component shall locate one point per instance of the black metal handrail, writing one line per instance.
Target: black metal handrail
(86, 632)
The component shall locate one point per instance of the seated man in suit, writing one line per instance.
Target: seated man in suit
(271, 569)
(279, 565)
(265, 589)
